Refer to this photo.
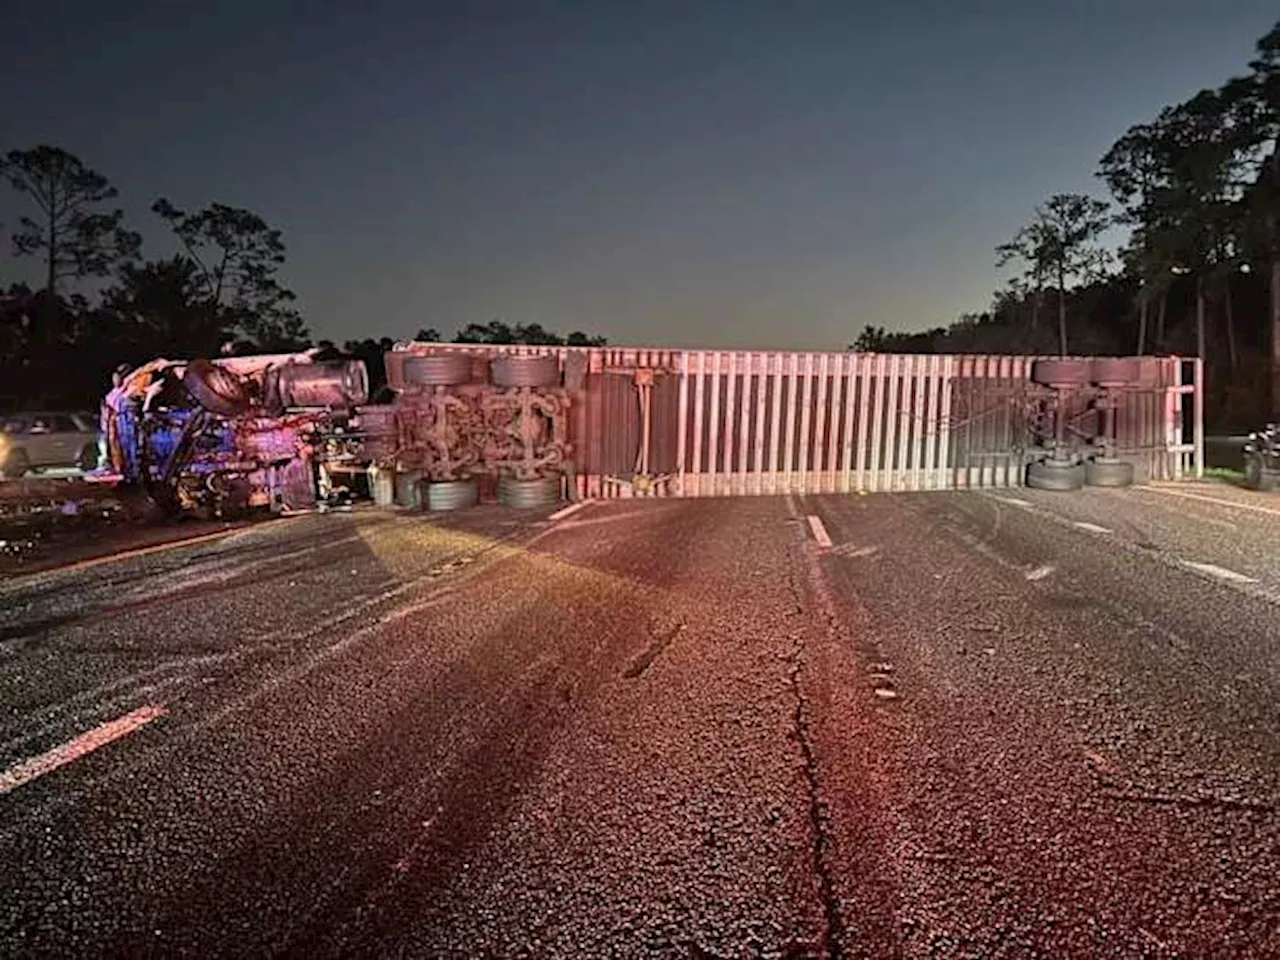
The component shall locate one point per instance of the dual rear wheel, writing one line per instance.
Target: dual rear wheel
(455, 369)
(1064, 475)
(446, 495)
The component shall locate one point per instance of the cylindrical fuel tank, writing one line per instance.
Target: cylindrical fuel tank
(337, 383)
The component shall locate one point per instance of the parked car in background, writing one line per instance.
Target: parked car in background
(44, 440)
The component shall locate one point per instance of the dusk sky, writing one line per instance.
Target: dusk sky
(720, 174)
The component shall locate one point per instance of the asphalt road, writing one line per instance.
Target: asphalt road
(959, 725)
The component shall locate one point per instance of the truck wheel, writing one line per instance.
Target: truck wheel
(541, 371)
(1258, 477)
(1065, 372)
(529, 494)
(438, 370)
(452, 495)
(1118, 371)
(1108, 473)
(215, 388)
(1053, 474)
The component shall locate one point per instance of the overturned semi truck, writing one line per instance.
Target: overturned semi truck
(227, 435)
(235, 433)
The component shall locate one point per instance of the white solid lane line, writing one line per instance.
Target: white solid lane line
(1015, 501)
(819, 531)
(72, 750)
(1091, 527)
(1222, 573)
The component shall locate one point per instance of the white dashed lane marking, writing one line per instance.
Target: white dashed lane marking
(1091, 527)
(853, 550)
(73, 750)
(569, 510)
(819, 531)
(1187, 495)
(1212, 570)
(1014, 501)
(1222, 573)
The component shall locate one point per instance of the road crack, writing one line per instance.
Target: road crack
(822, 845)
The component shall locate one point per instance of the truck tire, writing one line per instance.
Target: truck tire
(1051, 474)
(215, 388)
(1259, 477)
(541, 371)
(1065, 372)
(438, 370)
(529, 494)
(1108, 473)
(452, 495)
(1116, 371)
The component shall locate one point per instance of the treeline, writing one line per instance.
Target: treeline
(101, 304)
(1197, 189)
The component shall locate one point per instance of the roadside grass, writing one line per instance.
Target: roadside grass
(1225, 475)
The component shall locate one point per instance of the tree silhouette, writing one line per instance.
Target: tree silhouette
(1061, 244)
(161, 309)
(73, 236)
(1182, 183)
(237, 259)
(1261, 90)
(533, 334)
(870, 340)
(1139, 168)
(1032, 245)
(493, 332)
